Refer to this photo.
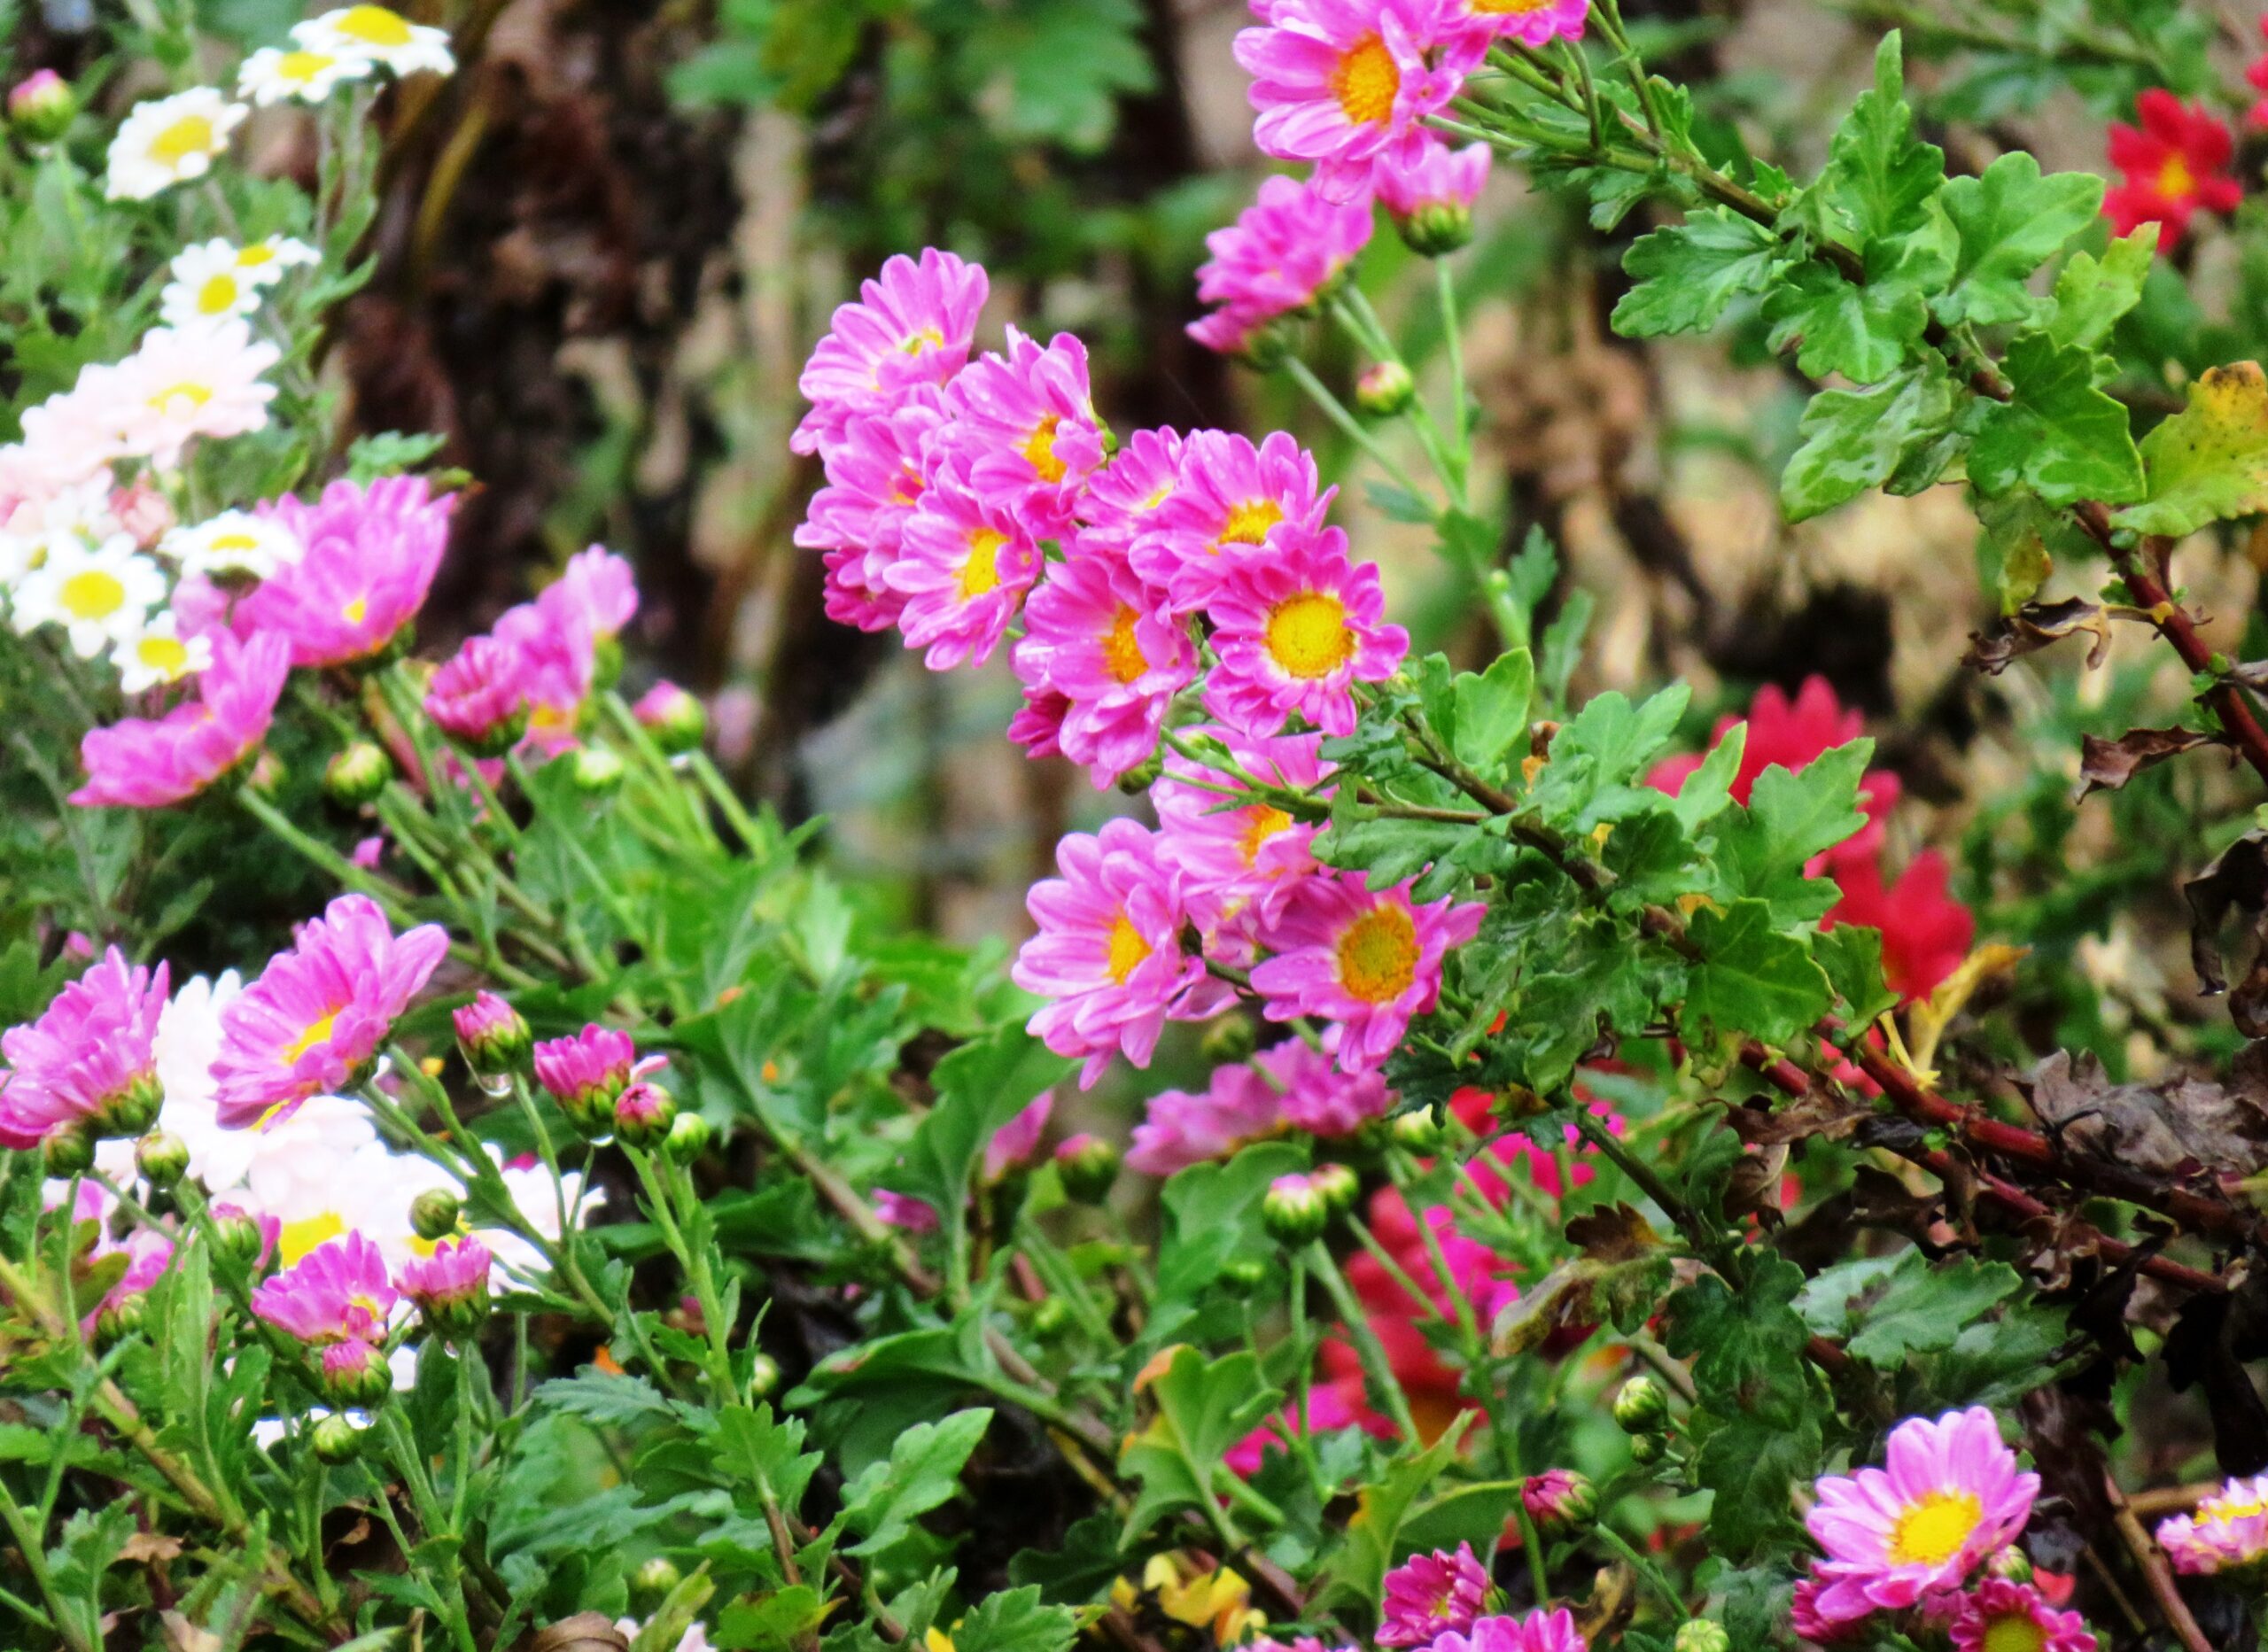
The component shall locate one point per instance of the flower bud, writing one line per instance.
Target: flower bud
(41, 105)
(162, 1157)
(356, 774)
(355, 1373)
(1243, 1275)
(598, 771)
(676, 721)
(1419, 1130)
(2011, 1564)
(1051, 1317)
(491, 1035)
(450, 1287)
(240, 1235)
(1437, 228)
(1293, 1210)
(434, 1214)
(267, 774)
(1338, 1185)
(1228, 1039)
(1699, 1634)
(1385, 389)
(1642, 1407)
(688, 1137)
(1088, 1166)
(763, 1377)
(336, 1439)
(132, 1111)
(120, 1318)
(1647, 1449)
(643, 1115)
(651, 1583)
(1558, 1499)
(68, 1151)
(1269, 344)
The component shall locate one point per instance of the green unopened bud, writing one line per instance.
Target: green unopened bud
(336, 1439)
(1558, 1499)
(763, 1377)
(688, 1137)
(434, 1214)
(1088, 1166)
(598, 771)
(240, 1235)
(652, 1582)
(672, 716)
(2011, 1564)
(1243, 1275)
(1385, 389)
(162, 1157)
(40, 106)
(1051, 1317)
(134, 1109)
(356, 774)
(1294, 1210)
(1338, 1185)
(643, 1115)
(1419, 1130)
(267, 774)
(1437, 228)
(120, 1319)
(1230, 1038)
(1642, 1407)
(355, 1374)
(1647, 1449)
(1699, 1634)
(68, 1151)
(1269, 345)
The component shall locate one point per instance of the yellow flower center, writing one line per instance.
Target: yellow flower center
(1508, 8)
(925, 338)
(167, 655)
(374, 25)
(1248, 523)
(1307, 634)
(1039, 450)
(191, 134)
(1378, 955)
(93, 595)
(175, 400)
(2175, 179)
(307, 1234)
(1365, 82)
(299, 67)
(2015, 1634)
(1932, 1531)
(232, 541)
(1127, 950)
(1261, 821)
(2219, 1510)
(1121, 650)
(317, 1034)
(217, 296)
(260, 252)
(355, 612)
(981, 572)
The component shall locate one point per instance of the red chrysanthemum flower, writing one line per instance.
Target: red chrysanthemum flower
(2174, 163)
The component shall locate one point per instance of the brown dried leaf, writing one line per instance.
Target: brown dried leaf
(2033, 627)
(1612, 1233)
(183, 1636)
(2174, 1129)
(1818, 1112)
(2236, 881)
(585, 1632)
(144, 1546)
(2106, 765)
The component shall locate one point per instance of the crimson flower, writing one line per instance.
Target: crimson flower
(2175, 162)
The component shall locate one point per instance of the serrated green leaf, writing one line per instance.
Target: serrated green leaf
(1492, 710)
(2092, 293)
(1851, 956)
(1749, 978)
(2010, 220)
(1879, 178)
(2210, 462)
(781, 1620)
(1854, 440)
(1708, 791)
(2059, 432)
(1762, 849)
(1055, 69)
(1687, 275)
(1835, 325)
(1598, 762)
(1926, 1306)
(923, 1472)
(1203, 1406)
(1751, 1467)
(1013, 1620)
(1356, 1572)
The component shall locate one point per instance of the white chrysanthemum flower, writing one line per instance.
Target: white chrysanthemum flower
(210, 284)
(265, 261)
(274, 74)
(159, 653)
(182, 384)
(101, 594)
(376, 33)
(170, 140)
(234, 542)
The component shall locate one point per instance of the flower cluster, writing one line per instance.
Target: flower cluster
(2228, 1532)
(1440, 1600)
(532, 676)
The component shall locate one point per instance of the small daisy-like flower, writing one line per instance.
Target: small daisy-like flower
(1232, 501)
(1530, 22)
(965, 562)
(874, 478)
(89, 1060)
(1096, 634)
(265, 261)
(1283, 252)
(218, 279)
(234, 542)
(1951, 1495)
(159, 653)
(1366, 960)
(1428, 1595)
(182, 384)
(1342, 82)
(101, 594)
(2228, 1531)
(369, 557)
(274, 74)
(168, 141)
(1109, 954)
(2173, 165)
(2003, 1616)
(1028, 428)
(1240, 861)
(375, 35)
(911, 326)
(337, 1293)
(1124, 498)
(1430, 190)
(1295, 631)
(145, 763)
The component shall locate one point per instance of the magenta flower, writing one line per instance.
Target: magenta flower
(1530, 22)
(1366, 960)
(1280, 255)
(1537, 1632)
(2000, 1616)
(1429, 1595)
(1037, 724)
(1104, 641)
(145, 762)
(89, 1059)
(912, 327)
(480, 696)
(336, 1292)
(1233, 503)
(1124, 498)
(1185, 1127)
(1295, 632)
(906, 1212)
(1028, 428)
(1314, 1096)
(874, 478)
(1804, 1617)
(450, 1287)
(1952, 1494)
(1108, 953)
(1239, 864)
(1435, 175)
(318, 1012)
(2229, 1530)
(596, 594)
(964, 564)
(1014, 1142)
(1343, 83)
(370, 557)
(587, 1071)
(1330, 1406)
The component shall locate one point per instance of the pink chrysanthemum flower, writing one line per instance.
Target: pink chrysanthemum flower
(1951, 1493)
(874, 478)
(2228, 1531)
(1342, 82)
(1434, 175)
(1185, 1127)
(586, 1071)
(480, 696)
(596, 593)
(1108, 953)
(1530, 22)
(450, 1287)
(1429, 1595)
(2003, 1616)
(370, 557)
(1099, 636)
(1233, 503)
(318, 1012)
(1365, 960)
(912, 327)
(1317, 1097)
(1124, 498)
(144, 762)
(1537, 1632)
(1239, 862)
(964, 566)
(1294, 632)
(336, 1292)
(1028, 428)
(90, 1057)
(1015, 1142)
(1804, 1617)
(1282, 253)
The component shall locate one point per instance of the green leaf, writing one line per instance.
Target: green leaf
(1203, 1406)
(1879, 177)
(1355, 1573)
(1762, 849)
(1752, 1466)
(1747, 1346)
(1851, 956)
(1911, 1306)
(1708, 791)
(2059, 432)
(1854, 440)
(606, 1397)
(782, 1620)
(2091, 293)
(1751, 978)
(2011, 220)
(1687, 275)
(1013, 1620)
(1492, 710)
(2210, 462)
(1835, 325)
(1055, 69)
(1598, 761)
(389, 452)
(923, 1472)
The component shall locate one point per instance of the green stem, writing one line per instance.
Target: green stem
(1647, 1570)
(1336, 411)
(1367, 1346)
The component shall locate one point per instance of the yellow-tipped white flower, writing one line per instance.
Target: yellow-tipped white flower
(275, 74)
(376, 35)
(218, 279)
(159, 653)
(234, 542)
(170, 140)
(101, 596)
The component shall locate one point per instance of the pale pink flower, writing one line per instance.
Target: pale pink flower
(1951, 1495)
(1283, 253)
(1368, 961)
(2229, 1530)
(144, 762)
(89, 1059)
(912, 327)
(1095, 633)
(1434, 175)
(1294, 632)
(179, 385)
(1232, 503)
(1530, 22)
(1124, 498)
(336, 1292)
(2000, 1615)
(1344, 83)
(370, 555)
(596, 594)
(874, 475)
(966, 560)
(1109, 954)
(1429, 1595)
(316, 1016)
(1028, 429)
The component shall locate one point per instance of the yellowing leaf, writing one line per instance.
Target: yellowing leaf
(2210, 462)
